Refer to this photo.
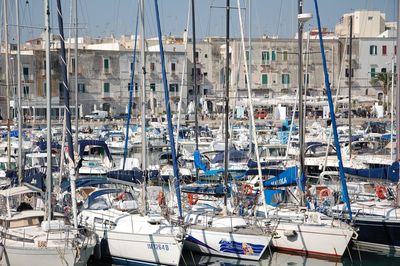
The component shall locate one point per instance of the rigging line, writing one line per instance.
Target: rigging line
(209, 20)
(279, 19)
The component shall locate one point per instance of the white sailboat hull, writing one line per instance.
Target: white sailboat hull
(314, 240)
(152, 248)
(227, 243)
(19, 255)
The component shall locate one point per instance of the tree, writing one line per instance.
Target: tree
(384, 81)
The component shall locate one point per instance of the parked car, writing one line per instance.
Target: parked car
(97, 115)
(121, 116)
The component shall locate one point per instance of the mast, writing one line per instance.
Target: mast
(76, 75)
(143, 106)
(398, 86)
(185, 41)
(301, 105)
(226, 152)
(249, 81)
(63, 65)
(48, 109)
(19, 93)
(7, 84)
(128, 120)
(196, 103)
(350, 73)
(345, 195)
(169, 119)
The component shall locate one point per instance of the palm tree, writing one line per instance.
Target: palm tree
(382, 80)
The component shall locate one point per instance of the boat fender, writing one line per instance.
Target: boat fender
(192, 199)
(290, 233)
(326, 192)
(381, 191)
(161, 199)
(247, 189)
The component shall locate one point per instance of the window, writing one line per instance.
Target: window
(384, 48)
(264, 79)
(152, 67)
(81, 88)
(205, 56)
(347, 72)
(373, 72)
(26, 91)
(370, 18)
(348, 49)
(61, 90)
(383, 70)
(136, 86)
(106, 88)
(395, 49)
(285, 55)
(44, 89)
(153, 87)
(285, 79)
(131, 66)
(173, 87)
(26, 72)
(172, 67)
(273, 55)
(264, 57)
(247, 55)
(373, 50)
(196, 56)
(73, 65)
(106, 65)
(306, 78)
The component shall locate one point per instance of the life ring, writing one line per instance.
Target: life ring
(326, 192)
(161, 199)
(192, 199)
(381, 192)
(247, 189)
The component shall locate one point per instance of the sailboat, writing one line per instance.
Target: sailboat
(294, 227)
(31, 232)
(125, 232)
(224, 235)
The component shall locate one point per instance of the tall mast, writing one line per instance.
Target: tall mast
(196, 103)
(76, 75)
(143, 106)
(398, 86)
(226, 152)
(19, 92)
(7, 84)
(350, 72)
(300, 85)
(249, 81)
(48, 109)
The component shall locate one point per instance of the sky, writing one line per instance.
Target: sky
(118, 17)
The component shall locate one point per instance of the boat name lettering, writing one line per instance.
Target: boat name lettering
(158, 246)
